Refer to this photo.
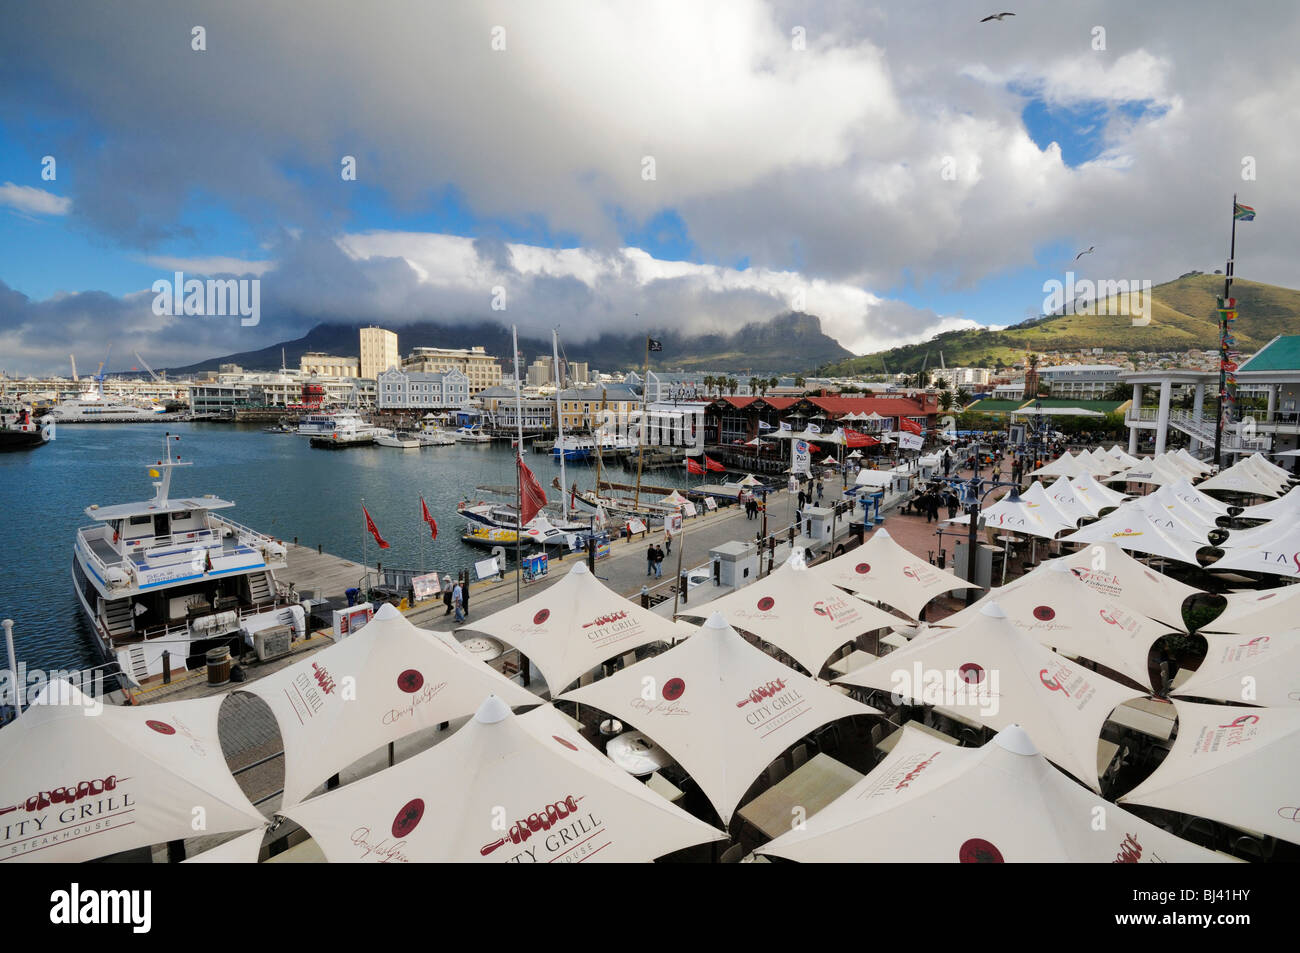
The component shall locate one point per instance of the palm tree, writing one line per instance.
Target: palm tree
(709, 382)
(771, 382)
(922, 379)
(799, 380)
(753, 386)
(945, 400)
(732, 385)
(963, 396)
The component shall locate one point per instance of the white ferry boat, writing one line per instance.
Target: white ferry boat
(326, 424)
(93, 406)
(170, 575)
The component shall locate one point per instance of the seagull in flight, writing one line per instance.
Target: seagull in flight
(996, 16)
(1082, 253)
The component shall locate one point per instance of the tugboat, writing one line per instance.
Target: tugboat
(169, 577)
(20, 430)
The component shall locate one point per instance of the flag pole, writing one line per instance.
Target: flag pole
(640, 435)
(422, 509)
(559, 418)
(1223, 340)
(519, 476)
(365, 554)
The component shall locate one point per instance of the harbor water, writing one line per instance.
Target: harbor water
(281, 486)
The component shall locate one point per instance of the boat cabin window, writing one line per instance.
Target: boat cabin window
(138, 526)
(160, 527)
(183, 520)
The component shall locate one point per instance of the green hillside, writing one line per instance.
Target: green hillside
(1182, 317)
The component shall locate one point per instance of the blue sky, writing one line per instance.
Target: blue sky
(783, 175)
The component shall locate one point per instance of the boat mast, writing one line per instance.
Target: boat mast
(559, 417)
(640, 436)
(519, 476)
(600, 457)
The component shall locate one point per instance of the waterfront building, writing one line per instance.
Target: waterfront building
(1084, 381)
(378, 352)
(475, 363)
(420, 390)
(327, 365)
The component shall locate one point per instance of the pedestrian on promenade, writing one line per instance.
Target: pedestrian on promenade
(659, 562)
(650, 560)
(457, 601)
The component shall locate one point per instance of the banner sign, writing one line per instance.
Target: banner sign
(673, 524)
(800, 456)
(710, 503)
(426, 586)
(351, 620)
(909, 441)
(485, 568)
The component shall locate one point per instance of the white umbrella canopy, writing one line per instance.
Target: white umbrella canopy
(385, 682)
(1267, 466)
(1249, 669)
(1157, 472)
(1071, 504)
(1127, 459)
(1037, 496)
(1093, 494)
(1258, 610)
(881, 570)
(1114, 574)
(1172, 458)
(1276, 555)
(1064, 465)
(722, 708)
(1055, 607)
(1131, 527)
(931, 802)
(1241, 479)
(243, 849)
(751, 480)
(1239, 766)
(1201, 502)
(1022, 516)
(997, 675)
(503, 789)
(1098, 466)
(1198, 465)
(875, 478)
(799, 612)
(855, 455)
(77, 787)
(1195, 522)
(1281, 508)
(574, 625)
(674, 499)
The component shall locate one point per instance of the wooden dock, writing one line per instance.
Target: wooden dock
(325, 575)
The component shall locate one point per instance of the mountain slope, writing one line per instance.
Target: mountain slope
(789, 342)
(1182, 316)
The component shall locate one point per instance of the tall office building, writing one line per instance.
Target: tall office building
(378, 352)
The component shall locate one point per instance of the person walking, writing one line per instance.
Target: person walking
(457, 601)
(446, 597)
(650, 560)
(659, 563)
(464, 594)
(668, 544)
(819, 492)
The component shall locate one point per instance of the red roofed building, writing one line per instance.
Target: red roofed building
(732, 420)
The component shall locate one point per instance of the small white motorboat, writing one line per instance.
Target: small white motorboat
(402, 440)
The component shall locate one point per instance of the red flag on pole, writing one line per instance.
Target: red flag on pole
(853, 438)
(714, 465)
(911, 426)
(532, 497)
(428, 518)
(694, 468)
(374, 530)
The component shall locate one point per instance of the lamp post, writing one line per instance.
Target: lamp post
(973, 492)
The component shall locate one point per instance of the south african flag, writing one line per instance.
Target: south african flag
(1243, 213)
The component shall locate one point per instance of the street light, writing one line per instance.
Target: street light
(973, 492)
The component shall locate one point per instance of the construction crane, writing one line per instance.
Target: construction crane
(160, 380)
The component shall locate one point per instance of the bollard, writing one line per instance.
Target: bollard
(682, 588)
(167, 667)
(318, 549)
(645, 597)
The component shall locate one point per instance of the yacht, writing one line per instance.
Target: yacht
(402, 440)
(93, 406)
(169, 576)
(471, 434)
(328, 423)
(434, 438)
(20, 429)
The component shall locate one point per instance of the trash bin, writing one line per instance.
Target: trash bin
(218, 666)
(352, 596)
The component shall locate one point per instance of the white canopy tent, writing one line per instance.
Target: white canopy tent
(1254, 670)
(1049, 509)
(1283, 507)
(1200, 466)
(1275, 553)
(80, 787)
(1258, 610)
(1239, 766)
(1093, 494)
(720, 707)
(991, 672)
(1022, 516)
(386, 681)
(1267, 466)
(1191, 520)
(1126, 459)
(1239, 478)
(1202, 502)
(1156, 472)
(1065, 465)
(799, 612)
(1115, 575)
(503, 789)
(880, 570)
(1059, 610)
(878, 478)
(574, 625)
(1071, 504)
(1130, 527)
(930, 802)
